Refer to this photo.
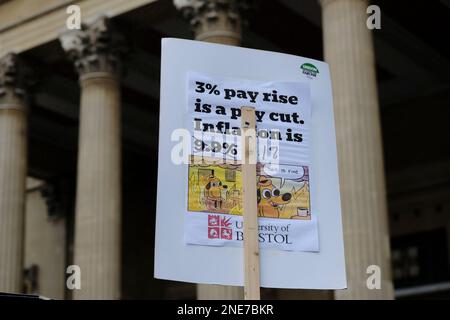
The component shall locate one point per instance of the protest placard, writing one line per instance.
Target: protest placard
(199, 229)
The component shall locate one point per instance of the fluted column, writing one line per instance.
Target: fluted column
(218, 292)
(217, 21)
(13, 169)
(349, 51)
(94, 50)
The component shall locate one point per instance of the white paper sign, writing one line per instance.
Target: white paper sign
(214, 188)
(192, 227)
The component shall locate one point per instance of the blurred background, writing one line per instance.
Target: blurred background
(79, 113)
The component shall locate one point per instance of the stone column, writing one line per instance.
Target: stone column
(95, 52)
(348, 49)
(13, 170)
(217, 21)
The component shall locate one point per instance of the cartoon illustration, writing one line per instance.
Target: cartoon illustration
(216, 187)
(234, 197)
(213, 193)
(270, 198)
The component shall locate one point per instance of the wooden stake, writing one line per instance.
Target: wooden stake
(251, 243)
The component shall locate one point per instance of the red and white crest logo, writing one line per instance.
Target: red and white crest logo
(219, 227)
(213, 232)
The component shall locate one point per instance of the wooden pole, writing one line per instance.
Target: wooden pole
(250, 216)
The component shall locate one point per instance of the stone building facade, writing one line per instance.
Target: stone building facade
(79, 128)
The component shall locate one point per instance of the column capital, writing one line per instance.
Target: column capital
(96, 48)
(11, 75)
(12, 82)
(214, 18)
